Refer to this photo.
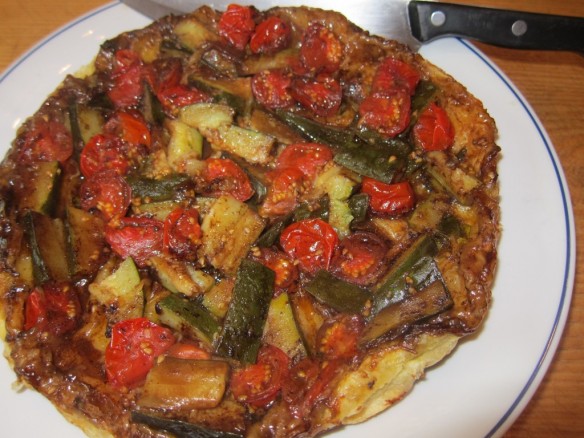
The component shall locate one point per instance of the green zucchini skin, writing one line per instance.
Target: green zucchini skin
(39, 269)
(338, 294)
(156, 190)
(180, 429)
(245, 319)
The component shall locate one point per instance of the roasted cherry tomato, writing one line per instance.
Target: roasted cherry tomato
(360, 258)
(271, 88)
(433, 131)
(338, 337)
(321, 51)
(136, 237)
(55, 308)
(188, 351)
(130, 127)
(224, 176)
(104, 152)
(127, 87)
(285, 269)
(259, 384)
(108, 192)
(309, 158)
(182, 232)
(134, 346)
(388, 198)
(312, 242)
(322, 96)
(285, 187)
(270, 36)
(236, 25)
(392, 74)
(173, 98)
(387, 112)
(44, 141)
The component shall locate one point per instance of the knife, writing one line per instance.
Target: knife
(416, 22)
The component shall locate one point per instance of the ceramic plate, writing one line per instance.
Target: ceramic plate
(481, 388)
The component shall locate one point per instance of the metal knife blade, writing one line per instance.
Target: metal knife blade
(415, 22)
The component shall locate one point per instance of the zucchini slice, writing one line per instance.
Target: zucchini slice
(41, 187)
(244, 323)
(281, 329)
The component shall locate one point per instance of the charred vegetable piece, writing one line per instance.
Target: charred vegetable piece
(85, 242)
(338, 294)
(185, 384)
(189, 317)
(180, 429)
(246, 316)
(414, 268)
(40, 196)
(157, 190)
(178, 277)
(358, 204)
(429, 301)
(39, 269)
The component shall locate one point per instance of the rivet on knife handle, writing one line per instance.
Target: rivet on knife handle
(514, 29)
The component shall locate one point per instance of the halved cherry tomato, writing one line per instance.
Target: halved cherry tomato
(338, 337)
(224, 176)
(309, 158)
(360, 258)
(103, 152)
(259, 384)
(55, 308)
(136, 237)
(285, 269)
(108, 192)
(321, 51)
(286, 186)
(388, 198)
(177, 96)
(44, 141)
(312, 242)
(188, 351)
(134, 346)
(236, 25)
(392, 74)
(433, 131)
(322, 96)
(270, 36)
(127, 87)
(130, 126)
(182, 232)
(387, 112)
(271, 88)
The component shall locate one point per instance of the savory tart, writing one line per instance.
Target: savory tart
(245, 223)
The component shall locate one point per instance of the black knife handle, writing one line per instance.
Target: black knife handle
(515, 29)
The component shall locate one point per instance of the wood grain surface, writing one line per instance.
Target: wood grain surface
(552, 82)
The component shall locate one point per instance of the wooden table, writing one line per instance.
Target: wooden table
(553, 83)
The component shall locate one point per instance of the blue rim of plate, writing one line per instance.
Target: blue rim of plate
(567, 284)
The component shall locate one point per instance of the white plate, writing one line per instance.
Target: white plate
(482, 388)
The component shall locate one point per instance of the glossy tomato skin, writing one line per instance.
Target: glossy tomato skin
(394, 74)
(54, 307)
(103, 152)
(182, 232)
(270, 36)
(338, 337)
(360, 258)
(286, 185)
(106, 191)
(127, 79)
(134, 346)
(311, 242)
(259, 384)
(224, 176)
(130, 127)
(387, 112)
(433, 130)
(136, 237)
(182, 350)
(309, 158)
(44, 141)
(284, 267)
(321, 51)
(390, 199)
(322, 96)
(236, 25)
(271, 88)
